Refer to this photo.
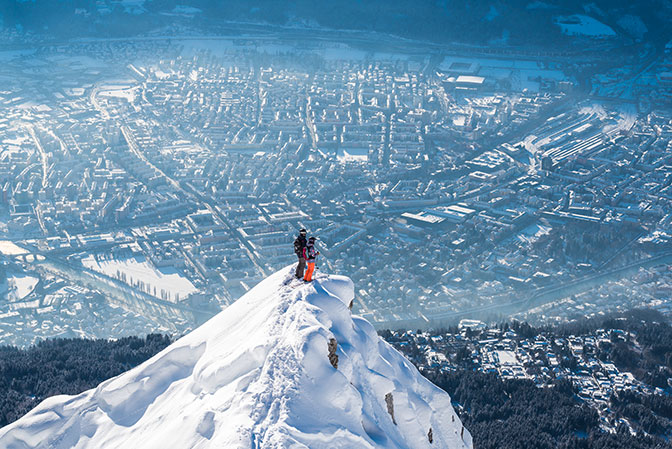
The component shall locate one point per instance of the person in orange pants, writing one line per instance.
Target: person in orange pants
(310, 254)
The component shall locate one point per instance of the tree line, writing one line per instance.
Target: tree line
(66, 366)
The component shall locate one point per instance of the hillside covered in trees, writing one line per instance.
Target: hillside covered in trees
(503, 412)
(515, 414)
(65, 366)
(519, 22)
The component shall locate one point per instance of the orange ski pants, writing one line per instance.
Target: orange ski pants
(309, 271)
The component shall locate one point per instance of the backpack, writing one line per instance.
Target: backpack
(299, 244)
(311, 253)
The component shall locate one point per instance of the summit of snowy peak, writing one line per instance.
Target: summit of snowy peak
(286, 365)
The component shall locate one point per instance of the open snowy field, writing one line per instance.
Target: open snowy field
(506, 357)
(20, 286)
(580, 25)
(533, 232)
(138, 270)
(8, 248)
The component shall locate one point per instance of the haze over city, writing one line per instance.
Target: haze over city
(464, 164)
(150, 180)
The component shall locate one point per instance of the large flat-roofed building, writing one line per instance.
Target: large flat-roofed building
(465, 82)
(454, 212)
(423, 218)
(470, 80)
(462, 68)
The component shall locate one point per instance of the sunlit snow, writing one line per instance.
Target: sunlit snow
(258, 376)
(137, 270)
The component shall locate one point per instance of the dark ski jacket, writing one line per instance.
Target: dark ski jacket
(299, 244)
(310, 253)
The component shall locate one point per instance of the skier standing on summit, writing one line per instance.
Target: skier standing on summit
(310, 255)
(299, 245)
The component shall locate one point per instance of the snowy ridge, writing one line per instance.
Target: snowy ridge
(258, 375)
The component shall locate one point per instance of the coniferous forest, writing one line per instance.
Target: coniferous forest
(515, 414)
(65, 366)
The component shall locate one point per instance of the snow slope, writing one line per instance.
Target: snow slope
(258, 375)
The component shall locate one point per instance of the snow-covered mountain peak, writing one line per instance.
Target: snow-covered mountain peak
(286, 366)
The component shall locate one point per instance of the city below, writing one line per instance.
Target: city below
(147, 183)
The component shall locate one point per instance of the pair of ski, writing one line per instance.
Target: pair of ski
(293, 281)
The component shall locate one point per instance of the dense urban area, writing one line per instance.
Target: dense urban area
(149, 182)
(495, 177)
